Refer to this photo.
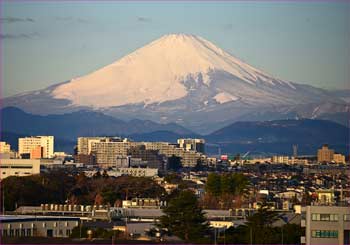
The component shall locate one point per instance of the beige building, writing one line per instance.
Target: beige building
(18, 167)
(27, 144)
(85, 144)
(188, 158)
(325, 154)
(108, 154)
(4, 147)
(37, 226)
(136, 172)
(326, 225)
(280, 159)
(338, 158)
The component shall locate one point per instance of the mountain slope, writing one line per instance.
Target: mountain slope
(278, 136)
(81, 123)
(183, 79)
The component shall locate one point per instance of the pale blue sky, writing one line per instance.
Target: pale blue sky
(44, 43)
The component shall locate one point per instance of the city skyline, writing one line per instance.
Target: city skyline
(289, 40)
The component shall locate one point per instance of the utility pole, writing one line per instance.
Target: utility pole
(251, 236)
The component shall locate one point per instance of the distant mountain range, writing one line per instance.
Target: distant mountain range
(268, 137)
(187, 80)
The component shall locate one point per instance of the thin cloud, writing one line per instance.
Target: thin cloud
(143, 19)
(228, 26)
(15, 19)
(18, 36)
(71, 19)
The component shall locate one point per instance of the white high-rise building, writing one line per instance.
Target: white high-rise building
(197, 145)
(27, 144)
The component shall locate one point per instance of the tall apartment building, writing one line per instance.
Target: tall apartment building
(85, 144)
(326, 225)
(188, 158)
(152, 158)
(197, 145)
(27, 144)
(108, 154)
(325, 154)
(4, 147)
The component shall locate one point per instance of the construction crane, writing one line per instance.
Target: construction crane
(245, 154)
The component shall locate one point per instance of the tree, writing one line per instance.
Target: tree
(184, 218)
(213, 185)
(174, 163)
(259, 226)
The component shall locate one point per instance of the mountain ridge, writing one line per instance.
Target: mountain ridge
(187, 80)
(276, 136)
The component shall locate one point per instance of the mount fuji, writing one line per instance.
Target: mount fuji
(187, 80)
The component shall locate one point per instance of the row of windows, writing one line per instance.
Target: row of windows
(325, 217)
(17, 166)
(324, 234)
(28, 232)
(329, 217)
(16, 232)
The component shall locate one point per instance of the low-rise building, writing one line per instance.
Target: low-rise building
(37, 226)
(136, 172)
(338, 158)
(19, 167)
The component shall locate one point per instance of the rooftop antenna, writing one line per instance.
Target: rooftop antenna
(295, 151)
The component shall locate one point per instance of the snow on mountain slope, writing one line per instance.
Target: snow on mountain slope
(224, 97)
(156, 73)
(188, 80)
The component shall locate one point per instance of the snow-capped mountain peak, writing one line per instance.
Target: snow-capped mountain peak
(156, 73)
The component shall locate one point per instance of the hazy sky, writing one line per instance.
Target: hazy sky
(44, 43)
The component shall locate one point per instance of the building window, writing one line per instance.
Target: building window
(324, 234)
(346, 217)
(29, 232)
(324, 217)
(23, 232)
(67, 233)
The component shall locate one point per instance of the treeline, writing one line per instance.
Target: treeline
(260, 229)
(61, 187)
(225, 190)
(184, 218)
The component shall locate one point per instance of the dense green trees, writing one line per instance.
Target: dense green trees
(174, 163)
(62, 187)
(218, 184)
(36, 189)
(222, 190)
(184, 218)
(259, 230)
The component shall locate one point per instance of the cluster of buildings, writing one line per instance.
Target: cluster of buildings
(119, 156)
(117, 152)
(316, 196)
